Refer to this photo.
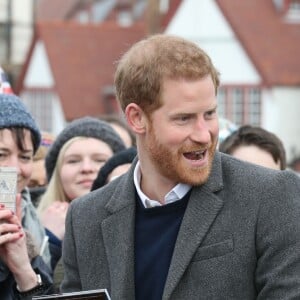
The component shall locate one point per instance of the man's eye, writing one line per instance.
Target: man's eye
(183, 119)
(210, 113)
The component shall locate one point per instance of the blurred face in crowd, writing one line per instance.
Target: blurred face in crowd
(118, 171)
(38, 177)
(183, 132)
(123, 133)
(80, 165)
(256, 155)
(12, 156)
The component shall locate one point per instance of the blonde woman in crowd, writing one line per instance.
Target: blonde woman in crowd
(72, 164)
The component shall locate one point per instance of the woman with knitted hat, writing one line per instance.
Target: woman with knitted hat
(72, 164)
(22, 236)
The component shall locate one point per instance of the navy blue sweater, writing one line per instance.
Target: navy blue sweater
(156, 231)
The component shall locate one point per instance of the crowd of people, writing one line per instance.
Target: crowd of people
(160, 206)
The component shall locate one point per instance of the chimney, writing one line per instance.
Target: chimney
(153, 17)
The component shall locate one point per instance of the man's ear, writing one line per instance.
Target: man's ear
(136, 118)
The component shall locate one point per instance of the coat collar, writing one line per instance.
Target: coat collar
(122, 195)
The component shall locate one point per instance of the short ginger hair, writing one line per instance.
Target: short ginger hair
(142, 69)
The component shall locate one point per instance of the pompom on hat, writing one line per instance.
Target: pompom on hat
(5, 87)
(46, 142)
(82, 127)
(14, 114)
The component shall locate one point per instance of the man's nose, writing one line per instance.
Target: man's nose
(201, 132)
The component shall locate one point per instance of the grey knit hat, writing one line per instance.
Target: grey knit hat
(14, 114)
(86, 127)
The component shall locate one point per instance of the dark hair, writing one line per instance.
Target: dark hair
(263, 139)
(19, 137)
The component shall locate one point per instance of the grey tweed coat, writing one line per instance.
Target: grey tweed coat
(239, 238)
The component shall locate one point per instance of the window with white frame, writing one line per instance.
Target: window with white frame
(254, 104)
(39, 103)
(241, 105)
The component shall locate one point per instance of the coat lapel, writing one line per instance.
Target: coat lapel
(202, 209)
(118, 235)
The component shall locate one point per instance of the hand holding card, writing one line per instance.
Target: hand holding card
(8, 187)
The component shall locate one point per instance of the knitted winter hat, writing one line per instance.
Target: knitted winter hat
(123, 157)
(13, 113)
(85, 127)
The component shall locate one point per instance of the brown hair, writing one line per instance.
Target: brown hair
(18, 134)
(252, 135)
(141, 71)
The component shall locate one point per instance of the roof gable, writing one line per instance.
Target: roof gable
(203, 23)
(39, 73)
(272, 44)
(81, 58)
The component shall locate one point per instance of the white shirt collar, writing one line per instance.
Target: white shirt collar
(177, 193)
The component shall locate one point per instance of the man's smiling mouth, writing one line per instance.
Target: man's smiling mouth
(195, 155)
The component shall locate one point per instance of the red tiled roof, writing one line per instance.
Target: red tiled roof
(81, 58)
(272, 44)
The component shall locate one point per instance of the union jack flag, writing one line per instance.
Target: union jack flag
(5, 87)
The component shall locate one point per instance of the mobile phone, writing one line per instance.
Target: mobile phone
(8, 187)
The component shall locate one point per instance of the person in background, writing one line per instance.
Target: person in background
(38, 180)
(255, 145)
(226, 127)
(186, 221)
(23, 272)
(295, 165)
(72, 164)
(119, 125)
(116, 166)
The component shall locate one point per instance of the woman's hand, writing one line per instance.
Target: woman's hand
(54, 216)
(12, 238)
(13, 250)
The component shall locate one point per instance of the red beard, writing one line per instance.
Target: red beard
(173, 166)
